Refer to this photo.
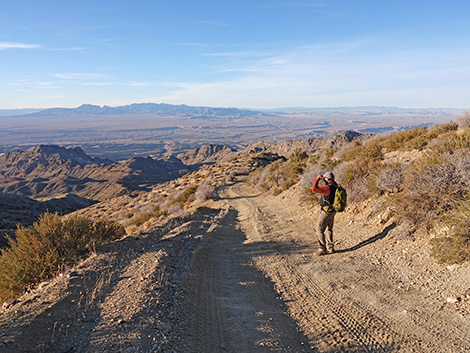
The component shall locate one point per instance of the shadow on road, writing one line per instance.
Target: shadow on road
(240, 197)
(371, 240)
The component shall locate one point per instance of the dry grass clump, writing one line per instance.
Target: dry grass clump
(42, 250)
(145, 216)
(417, 138)
(454, 248)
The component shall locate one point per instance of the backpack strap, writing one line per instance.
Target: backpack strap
(326, 201)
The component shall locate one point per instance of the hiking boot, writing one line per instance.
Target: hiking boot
(331, 250)
(322, 252)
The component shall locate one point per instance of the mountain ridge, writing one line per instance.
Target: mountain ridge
(50, 170)
(148, 108)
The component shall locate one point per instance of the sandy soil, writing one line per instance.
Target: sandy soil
(241, 276)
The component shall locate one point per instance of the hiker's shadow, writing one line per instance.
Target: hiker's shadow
(371, 240)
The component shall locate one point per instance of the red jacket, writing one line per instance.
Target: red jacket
(325, 189)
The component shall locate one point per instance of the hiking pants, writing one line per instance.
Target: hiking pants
(325, 229)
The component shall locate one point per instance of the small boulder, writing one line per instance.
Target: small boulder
(9, 303)
(453, 300)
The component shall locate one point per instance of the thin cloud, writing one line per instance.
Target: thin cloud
(11, 45)
(97, 84)
(128, 84)
(29, 83)
(81, 76)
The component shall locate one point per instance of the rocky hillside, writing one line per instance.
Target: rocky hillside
(51, 171)
(311, 145)
(207, 154)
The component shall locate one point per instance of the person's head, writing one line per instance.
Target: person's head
(329, 176)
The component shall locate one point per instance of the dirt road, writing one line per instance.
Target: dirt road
(257, 286)
(241, 276)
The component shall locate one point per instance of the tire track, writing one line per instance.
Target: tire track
(332, 319)
(230, 306)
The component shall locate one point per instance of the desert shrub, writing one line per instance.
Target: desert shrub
(40, 251)
(444, 128)
(309, 175)
(417, 138)
(291, 170)
(186, 196)
(432, 185)
(359, 168)
(330, 152)
(263, 178)
(403, 139)
(141, 218)
(128, 214)
(145, 216)
(313, 159)
(364, 160)
(464, 121)
(329, 163)
(389, 179)
(359, 190)
(450, 250)
(455, 247)
(280, 175)
(205, 191)
(452, 142)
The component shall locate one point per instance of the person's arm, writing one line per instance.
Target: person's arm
(325, 189)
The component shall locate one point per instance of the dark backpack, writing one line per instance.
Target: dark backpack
(339, 201)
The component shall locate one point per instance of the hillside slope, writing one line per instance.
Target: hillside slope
(51, 171)
(241, 275)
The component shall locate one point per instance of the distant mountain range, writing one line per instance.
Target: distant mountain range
(200, 111)
(150, 109)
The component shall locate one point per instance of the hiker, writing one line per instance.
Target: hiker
(326, 218)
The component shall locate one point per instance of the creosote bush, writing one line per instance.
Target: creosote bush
(40, 251)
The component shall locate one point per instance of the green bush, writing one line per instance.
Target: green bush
(41, 251)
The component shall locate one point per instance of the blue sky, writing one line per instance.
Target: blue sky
(238, 53)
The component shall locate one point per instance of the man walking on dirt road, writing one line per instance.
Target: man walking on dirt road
(326, 218)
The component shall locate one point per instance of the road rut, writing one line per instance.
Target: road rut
(255, 285)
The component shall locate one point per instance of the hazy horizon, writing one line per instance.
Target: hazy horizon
(28, 110)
